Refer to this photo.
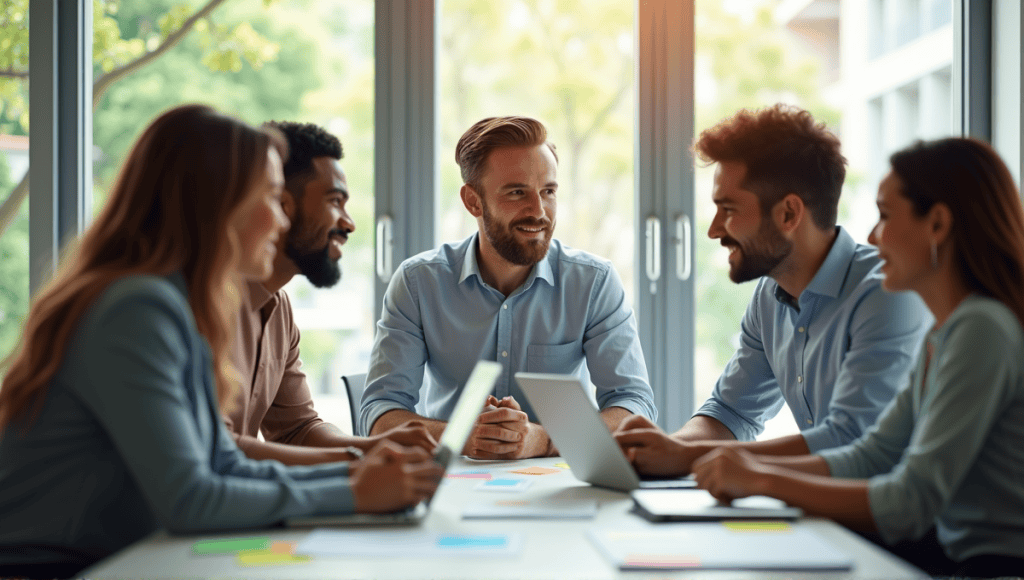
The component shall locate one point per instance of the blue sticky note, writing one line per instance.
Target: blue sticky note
(503, 482)
(472, 541)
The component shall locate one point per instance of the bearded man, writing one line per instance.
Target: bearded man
(820, 333)
(273, 395)
(508, 293)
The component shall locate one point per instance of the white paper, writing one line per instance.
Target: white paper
(531, 509)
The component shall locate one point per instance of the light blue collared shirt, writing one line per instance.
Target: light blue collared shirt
(439, 316)
(837, 359)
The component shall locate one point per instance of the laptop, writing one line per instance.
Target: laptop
(580, 435)
(695, 505)
(479, 384)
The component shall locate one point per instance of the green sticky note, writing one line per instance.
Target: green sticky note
(230, 545)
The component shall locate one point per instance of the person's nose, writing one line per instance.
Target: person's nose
(345, 222)
(281, 219)
(535, 205)
(873, 236)
(715, 230)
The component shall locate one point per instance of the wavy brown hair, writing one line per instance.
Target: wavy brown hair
(168, 212)
(988, 221)
(493, 133)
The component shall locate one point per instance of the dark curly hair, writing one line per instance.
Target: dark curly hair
(306, 141)
(784, 152)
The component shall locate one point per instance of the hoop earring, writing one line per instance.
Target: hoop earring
(935, 256)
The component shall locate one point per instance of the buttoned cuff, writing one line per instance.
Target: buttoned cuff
(635, 406)
(819, 438)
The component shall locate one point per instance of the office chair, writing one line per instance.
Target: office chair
(354, 385)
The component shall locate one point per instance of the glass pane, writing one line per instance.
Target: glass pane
(289, 60)
(14, 224)
(877, 96)
(568, 63)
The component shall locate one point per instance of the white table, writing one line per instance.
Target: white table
(551, 548)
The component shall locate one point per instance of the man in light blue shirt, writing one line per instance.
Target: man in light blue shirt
(508, 293)
(820, 333)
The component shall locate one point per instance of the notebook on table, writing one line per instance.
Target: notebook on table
(479, 384)
(580, 435)
(692, 505)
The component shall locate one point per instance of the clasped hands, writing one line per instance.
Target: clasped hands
(727, 473)
(504, 431)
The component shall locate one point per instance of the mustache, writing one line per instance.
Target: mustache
(531, 222)
(726, 242)
(338, 232)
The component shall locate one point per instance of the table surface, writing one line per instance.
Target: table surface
(550, 548)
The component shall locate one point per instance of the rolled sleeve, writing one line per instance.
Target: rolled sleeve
(399, 354)
(614, 356)
(747, 393)
(885, 334)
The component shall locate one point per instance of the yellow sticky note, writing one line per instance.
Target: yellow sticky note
(269, 558)
(758, 526)
(562, 465)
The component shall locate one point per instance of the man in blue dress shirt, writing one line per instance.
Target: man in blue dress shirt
(507, 293)
(820, 333)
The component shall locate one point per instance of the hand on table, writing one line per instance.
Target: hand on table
(391, 477)
(411, 434)
(729, 474)
(502, 431)
(652, 451)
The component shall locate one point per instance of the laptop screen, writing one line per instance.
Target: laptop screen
(470, 404)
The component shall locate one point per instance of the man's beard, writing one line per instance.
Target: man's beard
(760, 256)
(315, 264)
(503, 239)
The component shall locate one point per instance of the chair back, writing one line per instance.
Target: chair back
(354, 385)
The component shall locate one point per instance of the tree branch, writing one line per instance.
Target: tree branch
(13, 74)
(103, 83)
(9, 210)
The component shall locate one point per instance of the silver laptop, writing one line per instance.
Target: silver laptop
(695, 505)
(460, 425)
(580, 435)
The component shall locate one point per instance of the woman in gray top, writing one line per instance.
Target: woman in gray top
(110, 421)
(946, 453)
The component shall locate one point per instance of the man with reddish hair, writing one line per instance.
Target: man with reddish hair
(508, 293)
(820, 333)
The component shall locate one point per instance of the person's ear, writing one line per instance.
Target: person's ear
(941, 222)
(789, 212)
(471, 199)
(288, 205)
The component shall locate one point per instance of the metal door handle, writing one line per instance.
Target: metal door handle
(653, 251)
(684, 261)
(385, 247)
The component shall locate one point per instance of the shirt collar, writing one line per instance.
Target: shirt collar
(828, 280)
(470, 267)
(258, 295)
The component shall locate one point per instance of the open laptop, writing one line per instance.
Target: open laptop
(479, 384)
(580, 435)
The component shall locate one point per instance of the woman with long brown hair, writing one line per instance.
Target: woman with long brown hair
(110, 407)
(943, 466)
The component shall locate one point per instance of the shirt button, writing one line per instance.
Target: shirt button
(504, 306)
(801, 329)
(504, 353)
(809, 422)
(800, 379)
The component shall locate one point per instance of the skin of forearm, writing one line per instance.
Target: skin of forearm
(290, 454)
(842, 500)
(702, 428)
(612, 416)
(782, 446)
(398, 417)
(328, 435)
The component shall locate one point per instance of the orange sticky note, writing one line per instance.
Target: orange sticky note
(536, 471)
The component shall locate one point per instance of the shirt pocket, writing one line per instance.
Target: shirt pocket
(563, 359)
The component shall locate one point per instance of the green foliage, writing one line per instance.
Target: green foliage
(13, 271)
(14, 59)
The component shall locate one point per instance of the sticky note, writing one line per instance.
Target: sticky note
(269, 558)
(769, 526)
(536, 471)
(504, 485)
(469, 474)
(661, 561)
(562, 465)
(230, 545)
(472, 541)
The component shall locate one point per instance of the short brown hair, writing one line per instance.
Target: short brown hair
(988, 220)
(494, 133)
(784, 152)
